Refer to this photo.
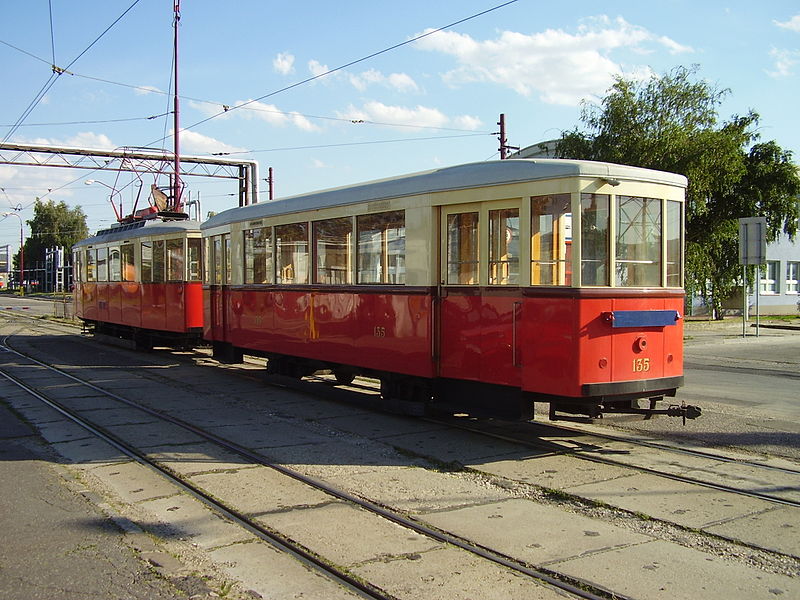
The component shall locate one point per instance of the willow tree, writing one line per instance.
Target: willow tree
(672, 123)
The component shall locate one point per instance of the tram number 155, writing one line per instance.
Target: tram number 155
(641, 365)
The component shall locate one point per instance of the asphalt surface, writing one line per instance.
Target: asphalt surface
(58, 543)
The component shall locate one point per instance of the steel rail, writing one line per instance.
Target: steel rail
(569, 584)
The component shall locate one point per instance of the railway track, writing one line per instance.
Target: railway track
(560, 444)
(227, 509)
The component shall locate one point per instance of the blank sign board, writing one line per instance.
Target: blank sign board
(753, 241)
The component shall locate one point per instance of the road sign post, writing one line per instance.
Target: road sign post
(752, 251)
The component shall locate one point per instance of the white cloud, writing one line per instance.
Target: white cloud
(400, 82)
(419, 116)
(145, 90)
(537, 63)
(85, 139)
(318, 164)
(784, 61)
(792, 24)
(249, 109)
(283, 63)
(197, 143)
(316, 68)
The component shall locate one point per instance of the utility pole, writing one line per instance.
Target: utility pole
(504, 147)
(177, 205)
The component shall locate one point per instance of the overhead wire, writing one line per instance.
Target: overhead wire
(57, 71)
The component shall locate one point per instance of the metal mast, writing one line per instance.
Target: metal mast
(177, 204)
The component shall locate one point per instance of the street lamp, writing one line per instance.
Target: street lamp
(118, 213)
(21, 252)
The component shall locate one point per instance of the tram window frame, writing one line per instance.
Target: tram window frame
(114, 264)
(216, 267)
(381, 248)
(77, 266)
(674, 244)
(91, 263)
(595, 245)
(636, 263)
(102, 264)
(292, 253)
(159, 261)
(176, 260)
(146, 252)
(463, 248)
(259, 265)
(127, 262)
(551, 240)
(333, 251)
(504, 250)
(194, 259)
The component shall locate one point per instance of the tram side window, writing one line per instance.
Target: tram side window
(147, 261)
(382, 247)
(158, 261)
(332, 247)
(594, 239)
(258, 267)
(216, 268)
(291, 253)
(551, 240)
(638, 242)
(175, 260)
(114, 272)
(504, 246)
(462, 249)
(128, 265)
(91, 260)
(77, 266)
(194, 252)
(102, 264)
(674, 219)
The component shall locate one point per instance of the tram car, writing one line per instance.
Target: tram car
(141, 281)
(479, 287)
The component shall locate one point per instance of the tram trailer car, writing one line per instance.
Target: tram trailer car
(480, 287)
(142, 281)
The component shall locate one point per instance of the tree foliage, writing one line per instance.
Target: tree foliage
(671, 123)
(53, 225)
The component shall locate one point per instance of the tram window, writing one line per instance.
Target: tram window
(91, 258)
(147, 261)
(291, 253)
(382, 247)
(332, 247)
(102, 264)
(674, 220)
(594, 239)
(194, 255)
(158, 261)
(175, 260)
(226, 248)
(504, 246)
(128, 265)
(113, 264)
(217, 262)
(551, 240)
(638, 242)
(258, 267)
(462, 249)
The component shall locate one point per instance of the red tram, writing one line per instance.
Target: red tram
(486, 286)
(142, 281)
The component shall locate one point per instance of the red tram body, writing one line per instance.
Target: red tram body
(481, 288)
(142, 280)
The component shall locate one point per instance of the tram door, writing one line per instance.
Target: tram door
(480, 300)
(220, 266)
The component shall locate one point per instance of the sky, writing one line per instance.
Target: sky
(403, 102)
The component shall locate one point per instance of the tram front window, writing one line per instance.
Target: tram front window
(638, 242)
(594, 239)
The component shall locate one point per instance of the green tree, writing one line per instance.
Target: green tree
(52, 225)
(671, 123)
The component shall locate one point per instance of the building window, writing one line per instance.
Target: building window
(462, 249)
(792, 276)
(551, 240)
(769, 278)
